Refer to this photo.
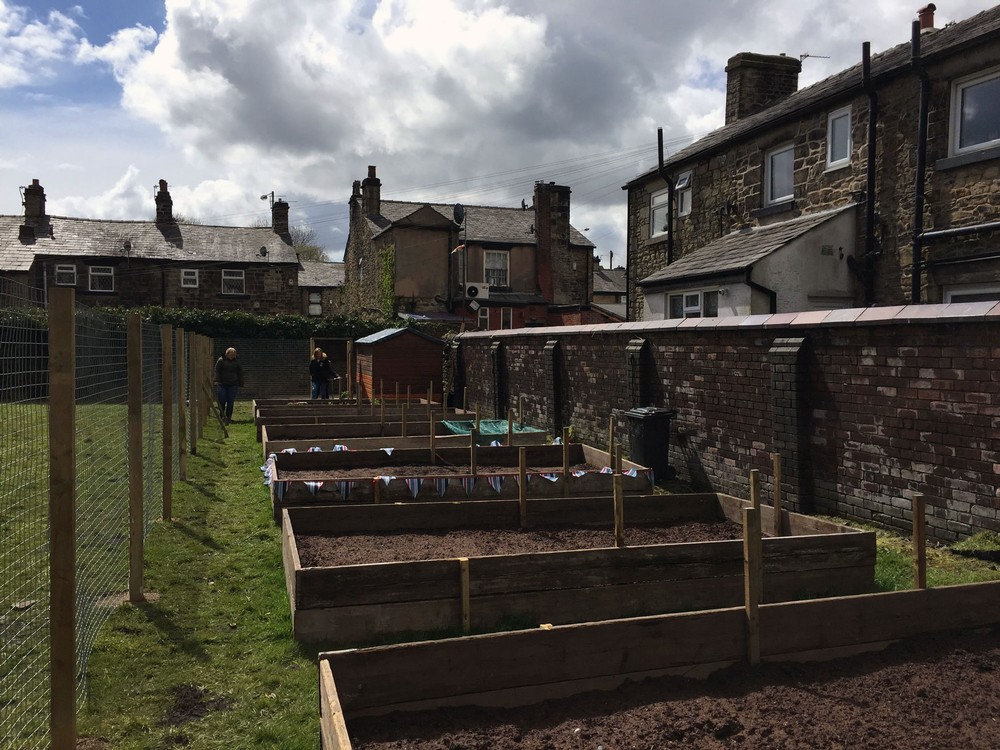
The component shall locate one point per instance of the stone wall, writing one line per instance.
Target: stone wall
(864, 407)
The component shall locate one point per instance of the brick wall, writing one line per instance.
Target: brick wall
(862, 415)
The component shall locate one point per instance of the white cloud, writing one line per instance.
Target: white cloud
(125, 49)
(30, 49)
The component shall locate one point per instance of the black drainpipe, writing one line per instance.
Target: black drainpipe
(628, 261)
(918, 198)
(771, 294)
(870, 254)
(670, 199)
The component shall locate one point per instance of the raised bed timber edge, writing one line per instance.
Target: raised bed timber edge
(321, 416)
(316, 480)
(353, 604)
(530, 666)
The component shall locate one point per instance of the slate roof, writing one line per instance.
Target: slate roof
(936, 44)
(388, 333)
(321, 273)
(484, 223)
(741, 249)
(104, 238)
(609, 280)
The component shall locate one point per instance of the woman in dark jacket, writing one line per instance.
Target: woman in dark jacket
(228, 379)
(321, 373)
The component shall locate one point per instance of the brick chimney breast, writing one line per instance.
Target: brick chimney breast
(755, 82)
(279, 217)
(164, 205)
(34, 204)
(371, 194)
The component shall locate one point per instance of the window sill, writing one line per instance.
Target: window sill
(973, 157)
(234, 296)
(837, 167)
(774, 209)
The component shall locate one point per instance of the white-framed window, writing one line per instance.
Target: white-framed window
(496, 267)
(985, 293)
(484, 318)
(102, 278)
(779, 165)
(233, 281)
(506, 317)
(189, 278)
(975, 112)
(659, 205)
(702, 304)
(682, 193)
(65, 275)
(315, 303)
(838, 138)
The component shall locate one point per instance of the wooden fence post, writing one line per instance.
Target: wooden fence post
(463, 571)
(194, 387)
(919, 541)
(473, 444)
(62, 518)
(752, 580)
(619, 504)
(522, 486)
(182, 383)
(167, 380)
(135, 499)
(755, 488)
(565, 461)
(778, 522)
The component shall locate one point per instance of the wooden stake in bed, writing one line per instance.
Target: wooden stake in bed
(565, 460)
(431, 433)
(463, 571)
(919, 541)
(776, 460)
(522, 485)
(755, 488)
(752, 580)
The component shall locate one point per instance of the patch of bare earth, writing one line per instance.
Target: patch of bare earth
(935, 692)
(324, 550)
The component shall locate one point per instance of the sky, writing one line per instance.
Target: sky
(469, 101)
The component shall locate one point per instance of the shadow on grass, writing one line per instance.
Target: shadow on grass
(203, 539)
(184, 640)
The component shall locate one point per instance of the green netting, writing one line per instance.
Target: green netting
(486, 427)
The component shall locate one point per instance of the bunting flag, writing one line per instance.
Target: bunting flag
(388, 451)
(607, 470)
(458, 249)
(579, 473)
(288, 450)
(442, 485)
(385, 478)
(649, 477)
(496, 482)
(551, 477)
(557, 441)
(315, 449)
(268, 469)
(279, 490)
(414, 484)
(468, 483)
(345, 488)
(496, 444)
(631, 473)
(313, 487)
(340, 447)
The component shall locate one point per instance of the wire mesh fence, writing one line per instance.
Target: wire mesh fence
(101, 491)
(24, 488)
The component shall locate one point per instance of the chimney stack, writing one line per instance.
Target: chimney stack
(552, 259)
(34, 204)
(755, 82)
(926, 16)
(371, 194)
(279, 217)
(164, 205)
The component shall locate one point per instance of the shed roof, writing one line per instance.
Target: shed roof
(389, 333)
(739, 250)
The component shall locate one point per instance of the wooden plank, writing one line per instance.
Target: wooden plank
(333, 727)
(62, 518)
(435, 669)
(135, 479)
(777, 524)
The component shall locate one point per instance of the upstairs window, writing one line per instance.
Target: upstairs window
(315, 303)
(496, 266)
(659, 206)
(838, 138)
(682, 193)
(65, 275)
(189, 278)
(779, 164)
(102, 279)
(975, 113)
(233, 282)
(694, 305)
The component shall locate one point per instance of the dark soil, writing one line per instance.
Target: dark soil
(323, 550)
(934, 692)
(192, 703)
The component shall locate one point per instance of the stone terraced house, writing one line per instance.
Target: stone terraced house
(161, 262)
(495, 268)
(875, 186)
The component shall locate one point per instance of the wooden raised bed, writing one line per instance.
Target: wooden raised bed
(331, 476)
(357, 603)
(271, 416)
(347, 405)
(530, 666)
(412, 441)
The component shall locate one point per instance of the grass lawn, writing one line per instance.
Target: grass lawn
(209, 662)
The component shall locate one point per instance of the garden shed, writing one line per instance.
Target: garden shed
(399, 355)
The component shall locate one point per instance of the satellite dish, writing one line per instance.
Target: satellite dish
(459, 213)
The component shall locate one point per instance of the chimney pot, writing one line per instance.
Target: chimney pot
(926, 16)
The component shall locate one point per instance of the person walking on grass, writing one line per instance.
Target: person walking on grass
(228, 380)
(321, 373)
